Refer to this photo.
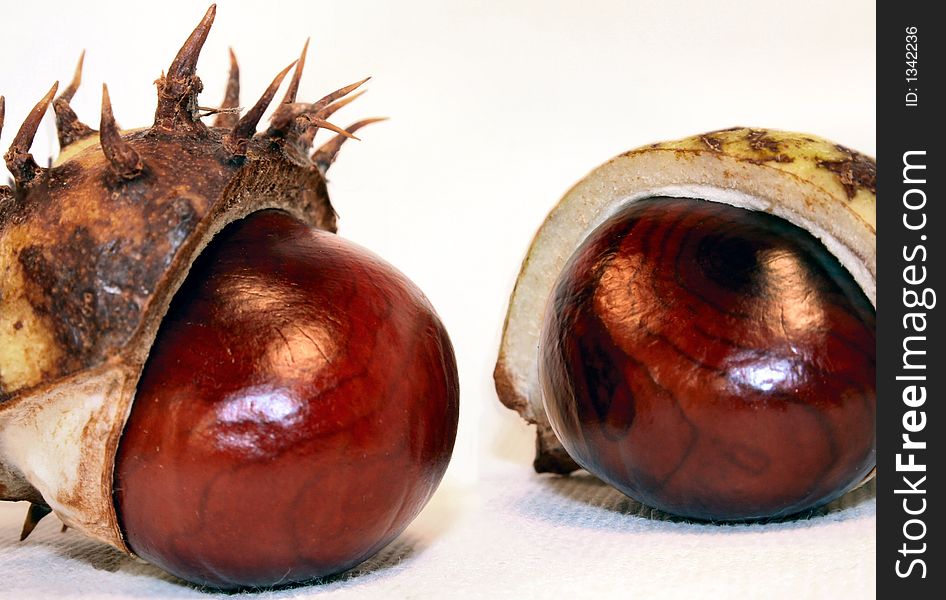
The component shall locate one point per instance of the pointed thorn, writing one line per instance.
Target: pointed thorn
(177, 92)
(284, 115)
(64, 528)
(18, 158)
(287, 113)
(34, 515)
(235, 141)
(325, 155)
(5, 192)
(126, 163)
(231, 98)
(307, 135)
(323, 124)
(332, 108)
(68, 126)
(293, 88)
(185, 63)
(70, 91)
(328, 99)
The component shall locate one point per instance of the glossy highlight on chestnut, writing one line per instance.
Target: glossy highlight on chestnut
(300, 404)
(712, 362)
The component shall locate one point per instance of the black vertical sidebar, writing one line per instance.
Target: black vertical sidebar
(911, 265)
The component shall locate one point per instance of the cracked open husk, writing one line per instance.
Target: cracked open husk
(93, 248)
(820, 186)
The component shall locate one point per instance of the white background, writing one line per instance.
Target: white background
(496, 109)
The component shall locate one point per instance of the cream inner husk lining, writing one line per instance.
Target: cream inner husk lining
(852, 263)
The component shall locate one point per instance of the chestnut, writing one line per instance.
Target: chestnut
(712, 362)
(299, 404)
(694, 324)
(194, 368)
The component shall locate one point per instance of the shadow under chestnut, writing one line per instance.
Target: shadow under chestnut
(73, 547)
(583, 500)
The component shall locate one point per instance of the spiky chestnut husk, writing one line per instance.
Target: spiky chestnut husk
(93, 248)
(822, 187)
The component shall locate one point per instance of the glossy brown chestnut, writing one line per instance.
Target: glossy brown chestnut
(298, 409)
(711, 361)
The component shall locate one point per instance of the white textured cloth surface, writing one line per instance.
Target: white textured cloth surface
(516, 535)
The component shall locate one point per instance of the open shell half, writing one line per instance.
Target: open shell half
(823, 187)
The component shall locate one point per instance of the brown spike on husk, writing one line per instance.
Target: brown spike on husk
(334, 107)
(178, 90)
(68, 125)
(18, 158)
(323, 124)
(293, 88)
(231, 98)
(5, 192)
(284, 116)
(34, 515)
(125, 162)
(68, 93)
(339, 93)
(287, 113)
(307, 135)
(185, 63)
(235, 141)
(298, 140)
(325, 155)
